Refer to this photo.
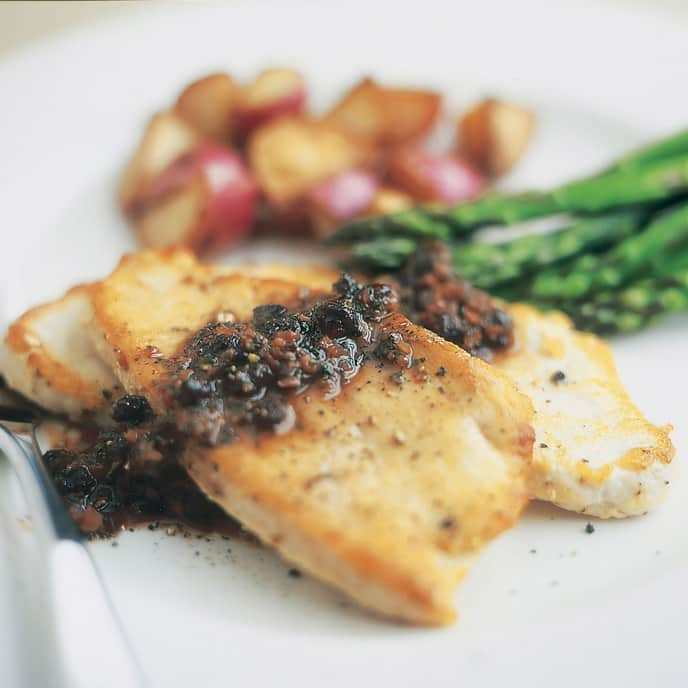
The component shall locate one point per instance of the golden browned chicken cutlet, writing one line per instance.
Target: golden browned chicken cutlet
(385, 489)
(595, 452)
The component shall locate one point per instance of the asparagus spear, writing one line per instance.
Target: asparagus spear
(669, 147)
(634, 307)
(385, 253)
(667, 294)
(654, 181)
(487, 265)
(589, 287)
(500, 210)
(649, 182)
(608, 321)
(645, 250)
(420, 223)
(453, 222)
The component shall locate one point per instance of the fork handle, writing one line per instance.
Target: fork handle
(93, 646)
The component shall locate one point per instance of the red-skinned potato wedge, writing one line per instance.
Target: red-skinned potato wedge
(388, 201)
(409, 114)
(175, 219)
(290, 155)
(494, 135)
(205, 200)
(166, 137)
(360, 112)
(209, 105)
(434, 177)
(274, 93)
(386, 115)
(341, 198)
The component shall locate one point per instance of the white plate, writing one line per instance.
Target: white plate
(547, 603)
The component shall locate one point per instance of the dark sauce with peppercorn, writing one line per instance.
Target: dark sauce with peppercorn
(228, 379)
(106, 490)
(433, 296)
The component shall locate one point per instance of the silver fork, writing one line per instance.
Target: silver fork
(99, 655)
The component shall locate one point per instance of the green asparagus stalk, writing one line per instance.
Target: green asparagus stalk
(655, 181)
(649, 182)
(608, 321)
(634, 307)
(419, 223)
(643, 251)
(433, 223)
(668, 294)
(488, 265)
(608, 269)
(385, 253)
(499, 210)
(669, 147)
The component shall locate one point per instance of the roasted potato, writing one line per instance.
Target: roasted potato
(274, 93)
(494, 135)
(209, 105)
(385, 116)
(205, 200)
(166, 137)
(341, 198)
(434, 177)
(290, 155)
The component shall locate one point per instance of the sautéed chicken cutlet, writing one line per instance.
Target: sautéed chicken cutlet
(594, 452)
(423, 469)
(370, 451)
